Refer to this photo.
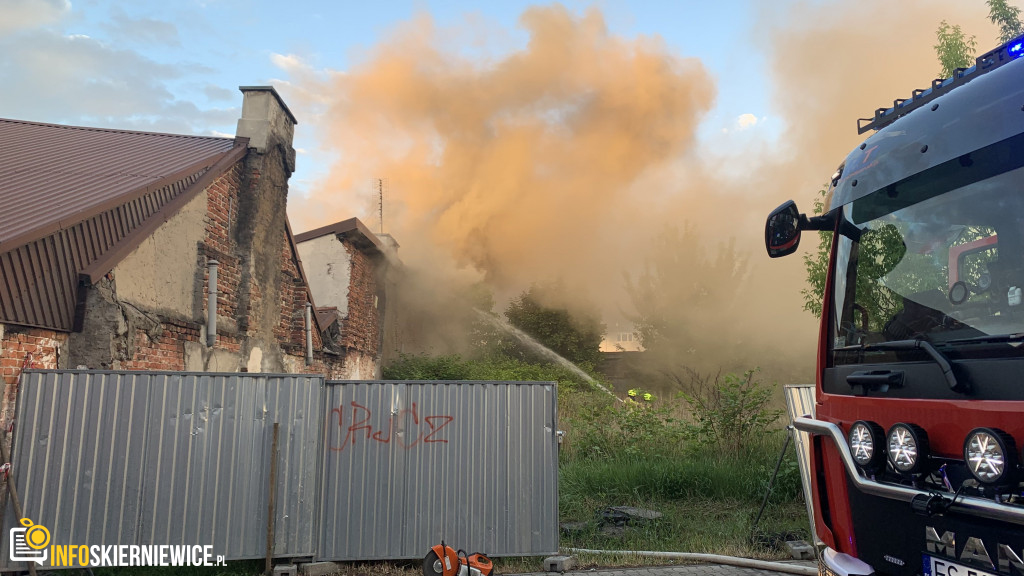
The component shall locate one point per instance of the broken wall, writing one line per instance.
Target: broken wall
(351, 279)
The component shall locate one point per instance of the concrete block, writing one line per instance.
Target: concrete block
(800, 550)
(319, 569)
(559, 563)
(286, 570)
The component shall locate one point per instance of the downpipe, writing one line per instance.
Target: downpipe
(211, 304)
(710, 559)
(309, 333)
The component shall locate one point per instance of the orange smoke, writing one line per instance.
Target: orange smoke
(564, 158)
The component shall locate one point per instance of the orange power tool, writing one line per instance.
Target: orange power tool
(443, 560)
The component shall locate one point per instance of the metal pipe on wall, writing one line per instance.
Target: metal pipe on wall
(309, 333)
(211, 304)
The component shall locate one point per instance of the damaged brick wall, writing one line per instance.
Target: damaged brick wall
(20, 348)
(164, 352)
(260, 293)
(291, 327)
(361, 330)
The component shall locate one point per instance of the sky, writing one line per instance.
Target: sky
(175, 66)
(520, 141)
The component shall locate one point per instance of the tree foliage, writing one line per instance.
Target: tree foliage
(1007, 18)
(681, 283)
(575, 335)
(954, 48)
(816, 263)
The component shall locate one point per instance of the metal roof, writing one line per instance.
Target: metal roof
(77, 200)
(52, 176)
(352, 228)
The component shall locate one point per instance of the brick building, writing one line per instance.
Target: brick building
(348, 269)
(109, 240)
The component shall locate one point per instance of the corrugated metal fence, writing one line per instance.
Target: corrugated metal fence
(367, 470)
(800, 403)
(410, 463)
(167, 458)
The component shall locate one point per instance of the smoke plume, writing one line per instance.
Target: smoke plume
(568, 157)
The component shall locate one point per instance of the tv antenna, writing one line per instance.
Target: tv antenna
(380, 184)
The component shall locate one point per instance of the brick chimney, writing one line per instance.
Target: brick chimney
(267, 122)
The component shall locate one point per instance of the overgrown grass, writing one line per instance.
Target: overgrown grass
(742, 477)
(662, 456)
(709, 502)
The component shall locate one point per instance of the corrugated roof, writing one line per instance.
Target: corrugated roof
(52, 176)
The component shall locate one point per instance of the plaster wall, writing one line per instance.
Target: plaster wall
(328, 268)
(160, 274)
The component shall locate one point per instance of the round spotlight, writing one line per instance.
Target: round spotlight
(908, 448)
(866, 444)
(991, 455)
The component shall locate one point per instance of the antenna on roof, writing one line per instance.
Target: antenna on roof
(381, 183)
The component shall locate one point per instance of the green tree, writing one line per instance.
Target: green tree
(575, 335)
(1007, 17)
(682, 289)
(954, 48)
(816, 263)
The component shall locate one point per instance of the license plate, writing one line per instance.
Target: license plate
(941, 567)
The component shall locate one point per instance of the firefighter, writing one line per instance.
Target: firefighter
(634, 395)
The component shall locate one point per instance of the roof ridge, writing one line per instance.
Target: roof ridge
(113, 130)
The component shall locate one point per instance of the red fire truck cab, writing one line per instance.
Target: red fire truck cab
(916, 463)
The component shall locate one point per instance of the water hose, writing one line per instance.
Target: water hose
(711, 559)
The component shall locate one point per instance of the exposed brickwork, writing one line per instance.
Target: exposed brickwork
(165, 352)
(292, 326)
(222, 212)
(361, 329)
(24, 348)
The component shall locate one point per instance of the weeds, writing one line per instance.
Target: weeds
(730, 411)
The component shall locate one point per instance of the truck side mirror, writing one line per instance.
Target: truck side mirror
(782, 230)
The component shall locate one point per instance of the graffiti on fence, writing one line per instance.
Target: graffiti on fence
(425, 430)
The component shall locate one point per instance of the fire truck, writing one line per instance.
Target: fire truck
(915, 451)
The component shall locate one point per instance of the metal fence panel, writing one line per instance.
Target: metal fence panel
(800, 403)
(168, 458)
(409, 463)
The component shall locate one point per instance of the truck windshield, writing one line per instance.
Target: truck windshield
(937, 259)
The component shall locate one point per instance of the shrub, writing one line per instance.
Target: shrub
(605, 428)
(730, 412)
(409, 367)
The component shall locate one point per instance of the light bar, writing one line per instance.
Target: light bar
(985, 63)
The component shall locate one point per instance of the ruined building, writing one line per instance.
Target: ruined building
(109, 240)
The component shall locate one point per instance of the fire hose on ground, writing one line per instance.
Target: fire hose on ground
(710, 559)
(719, 559)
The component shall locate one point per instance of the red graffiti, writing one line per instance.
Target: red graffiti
(359, 427)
